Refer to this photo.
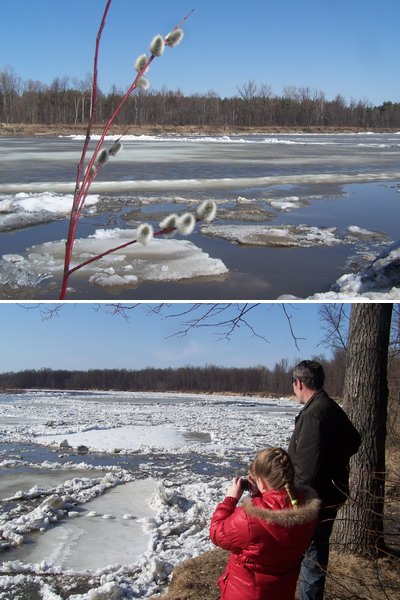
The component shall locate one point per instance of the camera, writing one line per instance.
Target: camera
(245, 483)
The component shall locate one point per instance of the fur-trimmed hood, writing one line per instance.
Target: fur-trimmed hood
(285, 517)
(275, 509)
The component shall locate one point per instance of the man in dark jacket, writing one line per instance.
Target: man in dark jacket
(321, 445)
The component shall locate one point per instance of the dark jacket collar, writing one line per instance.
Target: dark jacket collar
(318, 394)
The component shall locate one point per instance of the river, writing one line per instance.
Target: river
(295, 213)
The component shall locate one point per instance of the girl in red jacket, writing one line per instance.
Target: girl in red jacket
(268, 534)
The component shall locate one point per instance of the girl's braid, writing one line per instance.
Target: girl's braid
(277, 468)
(288, 475)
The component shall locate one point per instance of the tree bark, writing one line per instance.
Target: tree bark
(359, 527)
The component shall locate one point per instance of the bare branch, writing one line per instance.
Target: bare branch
(336, 322)
(211, 315)
(47, 311)
(289, 319)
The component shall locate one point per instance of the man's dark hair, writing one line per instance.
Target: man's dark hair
(311, 373)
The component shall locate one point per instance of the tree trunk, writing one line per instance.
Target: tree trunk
(359, 527)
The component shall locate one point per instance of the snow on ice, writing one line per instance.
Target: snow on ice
(290, 235)
(122, 528)
(160, 260)
(263, 235)
(380, 280)
(27, 209)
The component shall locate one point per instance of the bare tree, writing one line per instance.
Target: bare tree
(248, 90)
(10, 89)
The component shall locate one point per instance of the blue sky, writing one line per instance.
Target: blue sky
(84, 336)
(347, 47)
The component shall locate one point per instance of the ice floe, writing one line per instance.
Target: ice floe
(200, 184)
(160, 260)
(300, 139)
(290, 235)
(263, 235)
(126, 437)
(71, 545)
(27, 209)
(287, 204)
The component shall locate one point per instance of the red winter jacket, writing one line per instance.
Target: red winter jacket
(267, 537)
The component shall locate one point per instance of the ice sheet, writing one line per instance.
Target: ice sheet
(302, 236)
(159, 185)
(106, 531)
(160, 260)
(129, 437)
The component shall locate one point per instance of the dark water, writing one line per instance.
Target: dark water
(158, 464)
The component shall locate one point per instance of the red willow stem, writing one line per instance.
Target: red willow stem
(82, 189)
(74, 212)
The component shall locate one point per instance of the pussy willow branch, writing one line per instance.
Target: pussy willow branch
(93, 106)
(82, 189)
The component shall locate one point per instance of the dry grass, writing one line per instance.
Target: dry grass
(27, 129)
(349, 578)
(354, 578)
(197, 578)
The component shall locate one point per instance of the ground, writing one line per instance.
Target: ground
(349, 577)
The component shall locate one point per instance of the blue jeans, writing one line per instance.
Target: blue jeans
(315, 561)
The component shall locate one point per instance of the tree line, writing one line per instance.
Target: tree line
(68, 102)
(208, 379)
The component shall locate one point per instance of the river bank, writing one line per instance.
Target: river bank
(29, 129)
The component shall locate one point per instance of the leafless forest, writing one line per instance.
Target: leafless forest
(209, 379)
(67, 102)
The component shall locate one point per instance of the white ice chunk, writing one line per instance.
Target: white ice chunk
(129, 437)
(27, 209)
(283, 235)
(160, 260)
(286, 204)
(379, 280)
(48, 201)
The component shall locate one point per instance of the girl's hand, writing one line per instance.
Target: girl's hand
(235, 489)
